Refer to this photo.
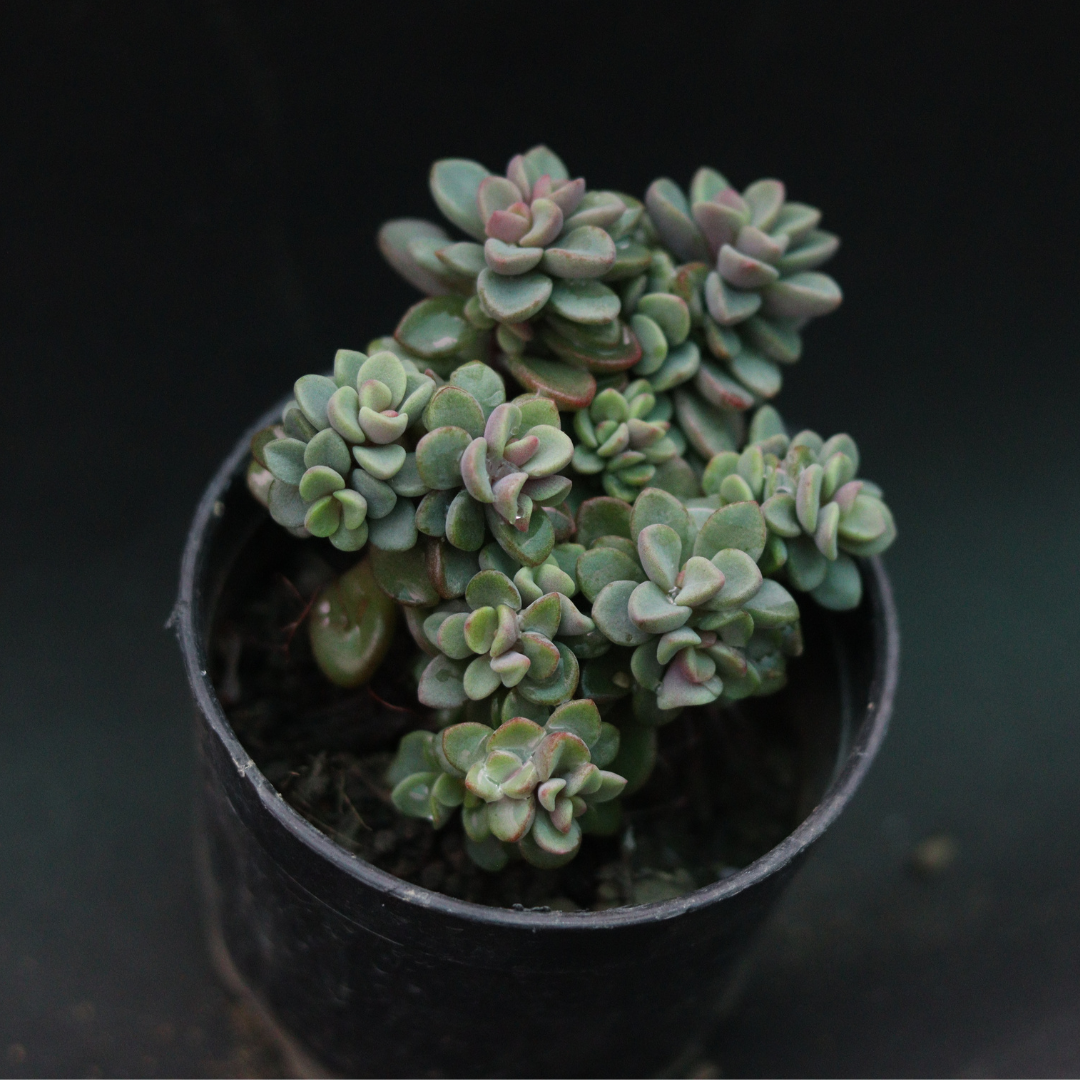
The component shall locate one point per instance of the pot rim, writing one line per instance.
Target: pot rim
(871, 731)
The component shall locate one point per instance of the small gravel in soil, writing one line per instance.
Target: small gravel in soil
(723, 793)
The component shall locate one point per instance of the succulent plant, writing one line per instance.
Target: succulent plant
(622, 437)
(644, 553)
(744, 267)
(537, 273)
(490, 641)
(481, 451)
(663, 321)
(688, 596)
(764, 251)
(337, 462)
(522, 784)
(818, 514)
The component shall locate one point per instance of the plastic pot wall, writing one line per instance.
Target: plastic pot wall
(371, 976)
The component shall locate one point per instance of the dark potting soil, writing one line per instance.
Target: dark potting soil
(724, 791)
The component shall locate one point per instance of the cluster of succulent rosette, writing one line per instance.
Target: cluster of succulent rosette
(564, 470)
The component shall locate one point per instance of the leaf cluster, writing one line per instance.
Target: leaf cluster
(523, 788)
(623, 524)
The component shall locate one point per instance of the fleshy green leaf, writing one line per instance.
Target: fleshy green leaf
(441, 685)
(436, 328)
(865, 521)
(611, 614)
(647, 664)
(438, 456)
(585, 252)
(351, 627)
(480, 680)
(380, 497)
(328, 449)
(719, 468)
(464, 258)
(403, 576)
(396, 241)
(742, 578)
(580, 718)
(567, 387)
(637, 755)
(411, 796)
(660, 551)
(543, 615)
(738, 525)
(806, 565)
(670, 313)
(285, 505)
(385, 367)
(318, 481)
(313, 394)
(588, 302)
(709, 430)
(841, 589)
(482, 382)
(465, 523)
(599, 566)
(450, 637)
(808, 496)
(560, 687)
(407, 480)
(677, 691)
(802, 296)
(657, 507)
(512, 299)
(676, 477)
(774, 339)
(323, 517)
(651, 610)
(701, 580)
(670, 214)
(452, 406)
(552, 454)
(779, 512)
(540, 161)
(354, 508)
(511, 259)
(464, 744)
(381, 462)
(529, 548)
(454, 184)
(772, 606)
(285, 459)
(490, 588)
(343, 411)
(654, 345)
(681, 365)
(729, 306)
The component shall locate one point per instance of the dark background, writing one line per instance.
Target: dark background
(188, 199)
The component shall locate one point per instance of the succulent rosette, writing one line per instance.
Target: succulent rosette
(336, 466)
(484, 453)
(491, 640)
(537, 273)
(761, 253)
(745, 268)
(818, 513)
(622, 438)
(686, 593)
(521, 784)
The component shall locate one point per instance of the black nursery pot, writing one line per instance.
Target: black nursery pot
(364, 974)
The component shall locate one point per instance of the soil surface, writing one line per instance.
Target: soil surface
(724, 791)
